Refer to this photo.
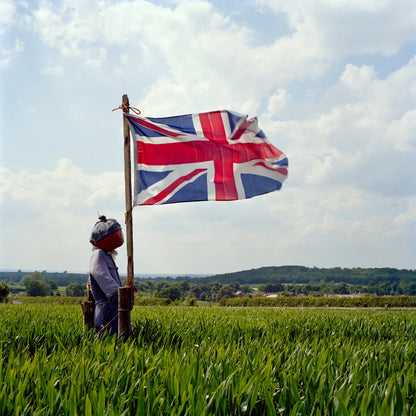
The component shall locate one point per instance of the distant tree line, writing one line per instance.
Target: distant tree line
(34, 284)
(304, 275)
(59, 278)
(285, 280)
(216, 291)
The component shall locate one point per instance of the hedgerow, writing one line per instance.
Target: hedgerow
(337, 302)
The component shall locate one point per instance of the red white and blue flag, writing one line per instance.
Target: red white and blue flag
(215, 156)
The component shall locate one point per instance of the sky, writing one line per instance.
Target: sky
(332, 82)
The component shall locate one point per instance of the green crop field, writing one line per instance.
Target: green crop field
(209, 361)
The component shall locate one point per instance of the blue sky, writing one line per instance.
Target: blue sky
(333, 84)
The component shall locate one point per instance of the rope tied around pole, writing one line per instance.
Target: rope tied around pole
(126, 108)
(127, 212)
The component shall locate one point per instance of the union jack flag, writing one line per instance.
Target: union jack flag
(214, 156)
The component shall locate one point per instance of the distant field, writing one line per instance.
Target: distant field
(209, 361)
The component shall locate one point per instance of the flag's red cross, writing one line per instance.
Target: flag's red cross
(217, 149)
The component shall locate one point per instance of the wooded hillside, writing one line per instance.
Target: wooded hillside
(301, 274)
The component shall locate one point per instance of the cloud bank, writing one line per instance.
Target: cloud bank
(333, 86)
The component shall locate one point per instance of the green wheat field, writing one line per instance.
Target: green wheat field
(209, 361)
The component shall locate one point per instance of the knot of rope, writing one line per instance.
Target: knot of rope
(126, 108)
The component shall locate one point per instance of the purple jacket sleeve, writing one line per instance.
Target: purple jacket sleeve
(105, 273)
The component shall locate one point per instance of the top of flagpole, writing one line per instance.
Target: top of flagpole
(125, 106)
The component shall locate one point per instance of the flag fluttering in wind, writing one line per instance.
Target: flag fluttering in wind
(215, 156)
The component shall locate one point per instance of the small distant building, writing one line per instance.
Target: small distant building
(277, 294)
(272, 295)
(346, 295)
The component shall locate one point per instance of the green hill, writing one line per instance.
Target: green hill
(301, 274)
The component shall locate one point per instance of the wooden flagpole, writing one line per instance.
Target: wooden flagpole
(126, 294)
